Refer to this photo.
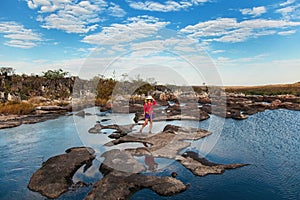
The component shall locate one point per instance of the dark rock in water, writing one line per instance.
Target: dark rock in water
(80, 114)
(96, 129)
(115, 136)
(136, 118)
(236, 114)
(174, 174)
(104, 120)
(101, 114)
(55, 175)
(188, 185)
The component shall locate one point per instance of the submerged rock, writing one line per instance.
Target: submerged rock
(81, 113)
(55, 175)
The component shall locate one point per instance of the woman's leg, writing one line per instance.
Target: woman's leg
(151, 117)
(145, 123)
(150, 128)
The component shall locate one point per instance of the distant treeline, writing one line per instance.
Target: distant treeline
(56, 85)
(282, 89)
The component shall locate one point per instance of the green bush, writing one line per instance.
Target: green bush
(55, 74)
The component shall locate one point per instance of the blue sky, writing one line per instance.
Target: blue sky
(184, 41)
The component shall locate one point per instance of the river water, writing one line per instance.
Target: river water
(269, 141)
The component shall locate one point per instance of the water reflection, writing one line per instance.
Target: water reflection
(151, 164)
(149, 160)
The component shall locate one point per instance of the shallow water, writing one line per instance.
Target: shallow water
(269, 141)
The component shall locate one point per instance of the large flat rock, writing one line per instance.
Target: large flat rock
(115, 187)
(166, 144)
(55, 175)
(201, 167)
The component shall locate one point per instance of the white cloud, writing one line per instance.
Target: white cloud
(136, 28)
(255, 11)
(288, 2)
(230, 30)
(290, 12)
(47, 5)
(290, 32)
(217, 51)
(225, 61)
(68, 23)
(20, 44)
(116, 11)
(165, 7)
(143, 42)
(74, 16)
(18, 35)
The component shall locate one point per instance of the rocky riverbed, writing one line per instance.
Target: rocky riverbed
(236, 106)
(229, 105)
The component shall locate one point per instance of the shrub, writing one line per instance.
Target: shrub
(55, 74)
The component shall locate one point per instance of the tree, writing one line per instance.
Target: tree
(7, 71)
(55, 74)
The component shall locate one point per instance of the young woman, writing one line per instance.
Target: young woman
(148, 112)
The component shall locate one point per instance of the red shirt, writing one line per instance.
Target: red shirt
(148, 107)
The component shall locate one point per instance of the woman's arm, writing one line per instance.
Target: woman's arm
(153, 102)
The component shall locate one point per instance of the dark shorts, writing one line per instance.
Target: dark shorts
(147, 116)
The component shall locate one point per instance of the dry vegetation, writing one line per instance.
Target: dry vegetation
(16, 108)
(279, 89)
